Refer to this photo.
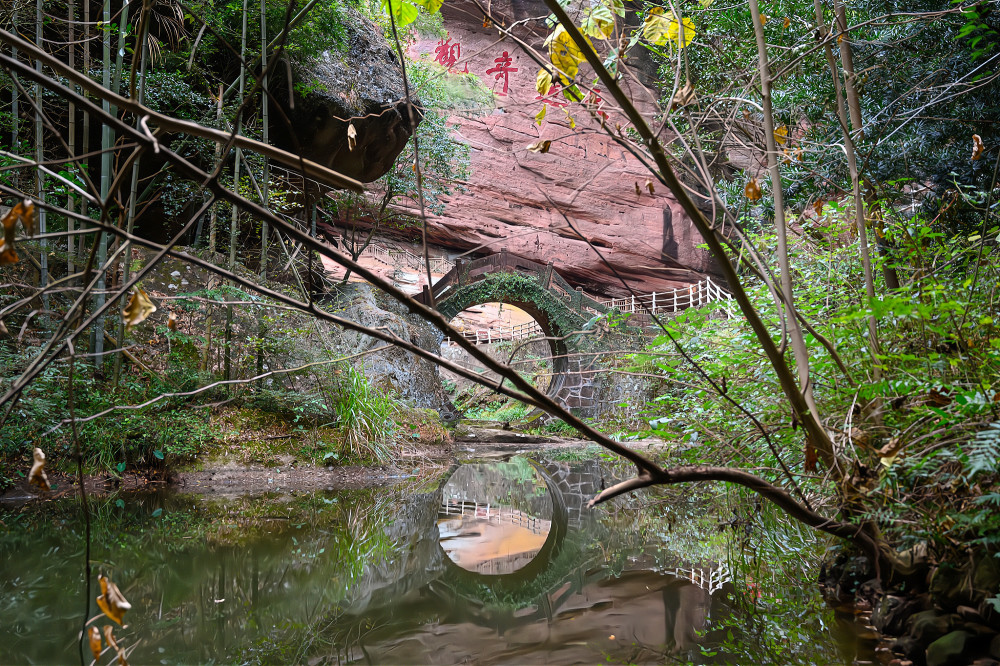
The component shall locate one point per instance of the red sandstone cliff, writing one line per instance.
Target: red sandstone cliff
(537, 205)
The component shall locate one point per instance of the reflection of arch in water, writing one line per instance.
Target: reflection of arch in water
(459, 579)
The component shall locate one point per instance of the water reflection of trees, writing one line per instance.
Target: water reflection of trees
(514, 483)
(204, 579)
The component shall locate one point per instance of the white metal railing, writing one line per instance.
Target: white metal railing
(695, 295)
(496, 513)
(711, 580)
(503, 333)
(397, 259)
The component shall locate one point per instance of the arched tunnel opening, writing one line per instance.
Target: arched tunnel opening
(515, 334)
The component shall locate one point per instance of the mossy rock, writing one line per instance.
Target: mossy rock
(422, 426)
(950, 649)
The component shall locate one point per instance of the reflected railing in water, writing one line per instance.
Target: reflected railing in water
(490, 539)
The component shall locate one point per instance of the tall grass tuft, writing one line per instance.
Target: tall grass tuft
(366, 417)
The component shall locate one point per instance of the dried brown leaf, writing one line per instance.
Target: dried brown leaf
(94, 637)
(138, 308)
(37, 476)
(684, 97)
(753, 191)
(352, 137)
(112, 602)
(541, 146)
(977, 147)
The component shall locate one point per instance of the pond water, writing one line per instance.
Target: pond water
(491, 563)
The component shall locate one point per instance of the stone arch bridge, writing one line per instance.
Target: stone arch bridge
(565, 315)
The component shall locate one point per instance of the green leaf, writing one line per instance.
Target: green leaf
(158, 454)
(599, 23)
(157, 513)
(430, 5)
(120, 467)
(403, 12)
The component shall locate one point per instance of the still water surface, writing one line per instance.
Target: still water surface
(491, 563)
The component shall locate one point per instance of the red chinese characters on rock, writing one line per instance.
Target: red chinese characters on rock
(503, 69)
(448, 54)
(554, 98)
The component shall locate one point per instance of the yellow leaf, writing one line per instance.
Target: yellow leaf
(37, 476)
(543, 82)
(569, 118)
(109, 637)
(752, 190)
(541, 114)
(787, 23)
(352, 137)
(781, 135)
(94, 637)
(705, 4)
(977, 147)
(541, 146)
(661, 29)
(138, 308)
(763, 19)
(112, 603)
(565, 53)
(674, 32)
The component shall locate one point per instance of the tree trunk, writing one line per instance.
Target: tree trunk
(791, 323)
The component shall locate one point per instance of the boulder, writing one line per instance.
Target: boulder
(360, 84)
(951, 587)
(949, 650)
(928, 626)
(393, 369)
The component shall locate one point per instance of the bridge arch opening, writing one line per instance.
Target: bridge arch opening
(566, 316)
(513, 334)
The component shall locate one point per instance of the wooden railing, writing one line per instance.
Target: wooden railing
(503, 333)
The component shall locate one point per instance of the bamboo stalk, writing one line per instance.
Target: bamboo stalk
(234, 222)
(107, 140)
(134, 185)
(70, 199)
(43, 272)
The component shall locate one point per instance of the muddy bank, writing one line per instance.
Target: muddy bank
(224, 473)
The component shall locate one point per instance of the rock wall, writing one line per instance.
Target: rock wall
(393, 369)
(538, 205)
(362, 85)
